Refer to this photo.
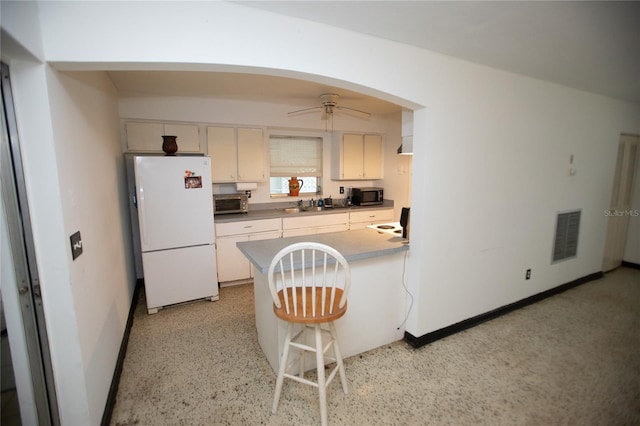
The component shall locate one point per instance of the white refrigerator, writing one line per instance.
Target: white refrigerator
(175, 212)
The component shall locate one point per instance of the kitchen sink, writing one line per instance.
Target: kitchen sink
(302, 209)
(293, 210)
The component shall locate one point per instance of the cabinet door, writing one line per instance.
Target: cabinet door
(313, 221)
(221, 144)
(144, 137)
(372, 163)
(369, 217)
(251, 154)
(188, 136)
(248, 227)
(352, 155)
(232, 264)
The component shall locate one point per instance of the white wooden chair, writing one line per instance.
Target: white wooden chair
(309, 283)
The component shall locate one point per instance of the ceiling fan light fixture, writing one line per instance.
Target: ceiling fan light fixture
(329, 105)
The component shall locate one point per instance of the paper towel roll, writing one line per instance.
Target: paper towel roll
(246, 186)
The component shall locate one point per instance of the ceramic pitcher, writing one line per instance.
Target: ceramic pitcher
(294, 186)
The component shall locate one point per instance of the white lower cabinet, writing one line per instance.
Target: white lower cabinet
(233, 266)
(316, 224)
(362, 219)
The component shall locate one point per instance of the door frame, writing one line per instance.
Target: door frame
(619, 213)
(19, 239)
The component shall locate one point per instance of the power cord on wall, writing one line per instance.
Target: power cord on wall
(404, 284)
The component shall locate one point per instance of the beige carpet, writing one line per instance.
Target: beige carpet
(570, 359)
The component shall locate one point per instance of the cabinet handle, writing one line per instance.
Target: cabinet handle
(249, 226)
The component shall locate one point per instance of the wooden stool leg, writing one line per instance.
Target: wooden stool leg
(282, 368)
(338, 356)
(322, 388)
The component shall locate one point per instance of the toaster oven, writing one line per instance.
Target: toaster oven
(230, 203)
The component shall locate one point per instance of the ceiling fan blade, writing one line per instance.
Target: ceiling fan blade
(304, 111)
(355, 112)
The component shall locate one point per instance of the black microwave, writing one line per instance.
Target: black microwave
(366, 196)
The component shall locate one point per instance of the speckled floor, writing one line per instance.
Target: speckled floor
(570, 359)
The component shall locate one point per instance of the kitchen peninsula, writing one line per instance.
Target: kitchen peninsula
(377, 298)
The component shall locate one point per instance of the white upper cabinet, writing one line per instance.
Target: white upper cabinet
(147, 136)
(188, 136)
(237, 154)
(251, 155)
(357, 157)
(372, 157)
(221, 143)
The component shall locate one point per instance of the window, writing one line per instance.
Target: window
(299, 156)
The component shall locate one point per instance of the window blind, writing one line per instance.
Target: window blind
(295, 156)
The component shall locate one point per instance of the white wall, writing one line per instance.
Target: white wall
(51, 244)
(21, 36)
(72, 153)
(74, 172)
(92, 181)
(496, 168)
(491, 148)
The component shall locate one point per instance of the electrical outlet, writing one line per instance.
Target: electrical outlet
(76, 245)
(342, 189)
(528, 274)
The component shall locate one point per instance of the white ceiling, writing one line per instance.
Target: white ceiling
(593, 46)
(589, 45)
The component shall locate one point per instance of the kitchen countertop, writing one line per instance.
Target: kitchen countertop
(354, 245)
(275, 212)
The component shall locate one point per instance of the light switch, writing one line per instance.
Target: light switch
(76, 245)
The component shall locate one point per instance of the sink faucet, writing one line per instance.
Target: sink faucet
(312, 202)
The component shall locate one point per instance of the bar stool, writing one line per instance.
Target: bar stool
(309, 283)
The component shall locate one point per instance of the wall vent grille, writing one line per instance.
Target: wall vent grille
(565, 243)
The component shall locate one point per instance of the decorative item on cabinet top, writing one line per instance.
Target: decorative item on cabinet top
(143, 136)
(169, 145)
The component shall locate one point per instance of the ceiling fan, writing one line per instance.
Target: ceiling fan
(329, 106)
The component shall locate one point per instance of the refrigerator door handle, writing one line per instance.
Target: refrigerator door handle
(134, 198)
